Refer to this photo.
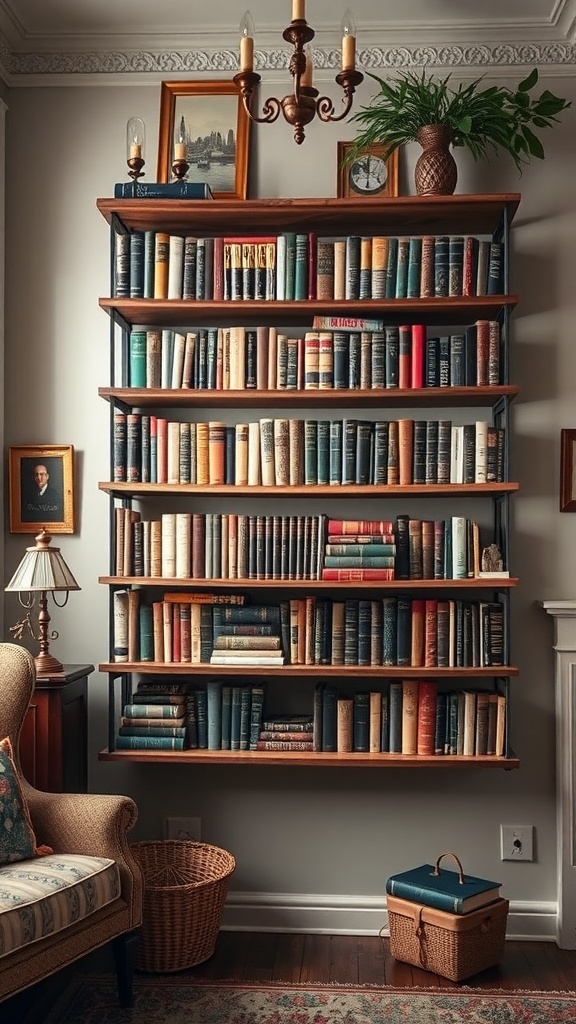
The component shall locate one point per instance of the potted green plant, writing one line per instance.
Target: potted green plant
(426, 109)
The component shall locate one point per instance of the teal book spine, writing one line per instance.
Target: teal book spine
(162, 190)
(391, 266)
(150, 743)
(395, 718)
(364, 631)
(335, 452)
(310, 451)
(152, 710)
(256, 715)
(444, 890)
(149, 251)
(456, 265)
(414, 268)
(245, 715)
(330, 719)
(226, 738)
(141, 730)
(323, 443)
(290, 266)
(137, 349)
(235, 717)
(441, 265)
(301, 267)
(389, 630)
(401, 288)
(214, 709)
(146, 633)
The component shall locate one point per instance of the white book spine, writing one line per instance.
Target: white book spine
(166, 358)
(173, 452)
(168, 543)
(280, 268)
(183, 547)
(253, 454)
(178, 360)
(459, 545)
(175, 266)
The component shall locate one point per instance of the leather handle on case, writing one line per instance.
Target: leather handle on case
(460, 868)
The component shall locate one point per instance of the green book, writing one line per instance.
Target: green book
(150, 743)
(137, 349)
(290, 264)
(301, 267)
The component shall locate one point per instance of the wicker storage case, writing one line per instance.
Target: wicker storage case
(185, 886)
(452, 945)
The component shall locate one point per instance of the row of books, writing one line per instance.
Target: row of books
(222, 546)
(294, 452)
(403, 631)
(300, 266)
(266, 358)
(409, 717)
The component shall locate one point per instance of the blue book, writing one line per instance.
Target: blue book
(214, 709)
(435, 886)
(162, 190)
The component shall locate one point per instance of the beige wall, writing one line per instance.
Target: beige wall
(307, 831)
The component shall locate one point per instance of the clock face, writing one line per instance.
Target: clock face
(368, 175)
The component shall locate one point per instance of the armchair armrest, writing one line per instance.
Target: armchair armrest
(92, 824)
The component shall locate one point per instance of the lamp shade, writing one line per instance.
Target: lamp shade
(42, 568)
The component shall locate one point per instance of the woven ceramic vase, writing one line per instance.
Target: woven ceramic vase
(436, 172)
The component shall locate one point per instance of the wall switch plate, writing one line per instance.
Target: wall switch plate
(182, 828)
(517, 842)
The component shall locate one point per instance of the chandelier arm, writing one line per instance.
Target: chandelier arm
(326, 110)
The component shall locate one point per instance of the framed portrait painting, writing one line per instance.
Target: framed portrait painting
(210, 119)
(568, 470)
(370, 173)
(41, 488)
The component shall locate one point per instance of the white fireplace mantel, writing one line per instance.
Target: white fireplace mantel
(564, 615)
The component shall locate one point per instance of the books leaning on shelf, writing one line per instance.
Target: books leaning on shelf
(299, 266)
(451, 891)
(358, 355)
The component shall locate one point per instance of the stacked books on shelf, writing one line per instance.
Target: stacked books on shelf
(450, 891)
(359, 550)
(293, 266)
(155, 719)
(359, 353)
(248, 635)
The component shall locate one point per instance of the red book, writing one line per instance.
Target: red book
(418, 355)
(418, 609)
(430, 633)
(426, 727)
(357, 575)
(218, 279)
(343, 526)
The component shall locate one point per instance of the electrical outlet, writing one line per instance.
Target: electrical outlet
(516, 842)
(182, 828)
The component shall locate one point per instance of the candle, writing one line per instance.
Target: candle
(135, 151)
(298, 10)
(180, 151)
(246, 53)
(306, 79)
(348, 51)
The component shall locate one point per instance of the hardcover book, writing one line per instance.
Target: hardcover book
(162, 190)
(451, 891)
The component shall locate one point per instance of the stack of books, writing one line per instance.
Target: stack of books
(155, 719)
(249, 635)
(450, 891)
(359, 550)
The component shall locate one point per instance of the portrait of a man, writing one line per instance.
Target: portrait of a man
(42, 491)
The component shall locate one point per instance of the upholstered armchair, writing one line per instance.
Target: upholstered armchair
(57, 907)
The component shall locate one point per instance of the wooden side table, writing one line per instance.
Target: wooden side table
(53, 742)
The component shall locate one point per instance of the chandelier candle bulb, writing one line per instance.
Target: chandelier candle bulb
(247, 43)
(348, 42)
(180, 151)
(298, 10)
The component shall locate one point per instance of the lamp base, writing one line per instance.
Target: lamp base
(46, 665)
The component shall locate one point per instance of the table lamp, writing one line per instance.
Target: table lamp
(41, 570)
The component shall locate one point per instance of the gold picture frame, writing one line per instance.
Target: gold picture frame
(568, 470)
(378, 187)
(206, 109)
(41, 488)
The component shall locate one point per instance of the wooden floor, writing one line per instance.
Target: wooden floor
(344, 959)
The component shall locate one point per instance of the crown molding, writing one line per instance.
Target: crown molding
(111, 67)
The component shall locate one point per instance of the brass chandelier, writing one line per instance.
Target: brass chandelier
(301, 106)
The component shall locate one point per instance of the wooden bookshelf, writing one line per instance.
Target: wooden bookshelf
(479, 215)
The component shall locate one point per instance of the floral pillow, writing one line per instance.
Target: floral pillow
(17, 839)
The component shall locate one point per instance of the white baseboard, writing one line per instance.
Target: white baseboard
(357, 915)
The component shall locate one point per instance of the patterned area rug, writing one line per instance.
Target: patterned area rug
(172, 1001)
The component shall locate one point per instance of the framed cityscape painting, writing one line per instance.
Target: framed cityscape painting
(209, 120)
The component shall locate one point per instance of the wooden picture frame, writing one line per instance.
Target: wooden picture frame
(206, 108)
(29, 467)
(568, 470)
(377, 187)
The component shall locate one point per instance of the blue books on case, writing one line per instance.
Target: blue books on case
(162, 190)
(451, 891)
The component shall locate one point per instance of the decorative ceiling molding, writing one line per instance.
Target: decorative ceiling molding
(19, 69)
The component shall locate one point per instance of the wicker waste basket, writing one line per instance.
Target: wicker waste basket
(452, 945)
(185, 886)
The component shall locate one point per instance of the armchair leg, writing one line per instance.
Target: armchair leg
(124, 949)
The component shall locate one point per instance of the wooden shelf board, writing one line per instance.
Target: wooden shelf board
(251, 312)
(228, 586)
(297, 759)
(473, 213)
(329, 397)
(179, 668)
(312, 490)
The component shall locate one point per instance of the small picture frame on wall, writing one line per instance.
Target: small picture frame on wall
(211, 120)
(369, 174)
(568, 470)
(41, 488)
